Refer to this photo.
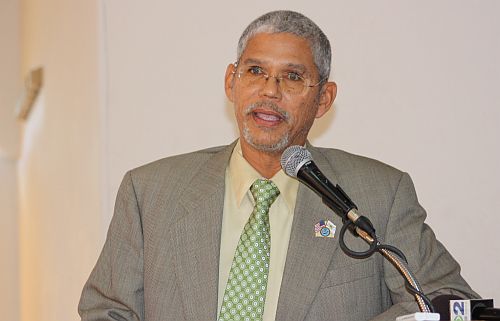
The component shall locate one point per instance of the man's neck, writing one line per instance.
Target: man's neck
(266, 163)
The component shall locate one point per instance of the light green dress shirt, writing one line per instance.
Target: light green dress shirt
(238, 205)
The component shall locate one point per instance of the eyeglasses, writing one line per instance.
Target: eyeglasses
(290, 82)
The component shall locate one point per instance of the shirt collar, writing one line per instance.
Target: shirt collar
(242, 175)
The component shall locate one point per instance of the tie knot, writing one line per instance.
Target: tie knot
(264, 192)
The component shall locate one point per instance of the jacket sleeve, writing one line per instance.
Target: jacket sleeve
(114, 290)
(434, 267)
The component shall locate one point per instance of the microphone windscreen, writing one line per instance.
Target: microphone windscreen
(293, 158)
(441, 304)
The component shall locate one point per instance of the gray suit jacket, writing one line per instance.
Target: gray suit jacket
(160, 260)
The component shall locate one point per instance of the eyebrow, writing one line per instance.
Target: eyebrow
(252, 61)
(299, 67)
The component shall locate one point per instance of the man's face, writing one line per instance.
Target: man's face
(269, 117)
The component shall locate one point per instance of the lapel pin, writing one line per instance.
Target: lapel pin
(325, 228)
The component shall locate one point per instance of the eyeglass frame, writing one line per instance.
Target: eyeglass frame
(279, 78)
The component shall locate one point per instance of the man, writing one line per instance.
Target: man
(186, 231)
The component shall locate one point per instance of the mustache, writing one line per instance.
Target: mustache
(268, 105)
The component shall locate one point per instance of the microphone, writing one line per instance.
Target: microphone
(297, 162)
(481, 309)
(441, 304)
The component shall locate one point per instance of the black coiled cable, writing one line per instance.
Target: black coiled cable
(375, 246)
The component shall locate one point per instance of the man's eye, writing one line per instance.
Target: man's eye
(255, 70)
(293, 76)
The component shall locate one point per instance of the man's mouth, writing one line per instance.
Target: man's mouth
(267, 113)
(267, 117)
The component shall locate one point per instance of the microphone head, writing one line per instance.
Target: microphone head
(293, 158)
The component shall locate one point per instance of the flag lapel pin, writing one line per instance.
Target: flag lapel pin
(325, 228)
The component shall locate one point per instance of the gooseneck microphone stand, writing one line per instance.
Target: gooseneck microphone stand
(391, 253)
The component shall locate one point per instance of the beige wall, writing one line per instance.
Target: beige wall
(10, 77)
(10, 83)
(9, 246)
(59, 165)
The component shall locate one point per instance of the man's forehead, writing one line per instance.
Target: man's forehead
(285, 49)
(286, 37)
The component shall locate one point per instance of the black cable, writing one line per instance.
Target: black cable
(414, 291)
(375, 246)
(351, 253)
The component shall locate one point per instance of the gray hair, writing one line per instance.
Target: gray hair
(297, 24)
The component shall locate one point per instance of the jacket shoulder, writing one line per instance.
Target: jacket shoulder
(176, 169)
(349, 161)
(179, 162)
(352, 169)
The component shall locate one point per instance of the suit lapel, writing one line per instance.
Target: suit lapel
(308, 256)
(197, 238)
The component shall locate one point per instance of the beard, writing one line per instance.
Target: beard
(271, 143)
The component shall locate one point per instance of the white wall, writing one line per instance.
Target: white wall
(418, 88)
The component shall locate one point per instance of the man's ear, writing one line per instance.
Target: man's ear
(326, 98)
(229, 81)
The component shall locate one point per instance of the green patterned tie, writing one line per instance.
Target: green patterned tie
(246, 287)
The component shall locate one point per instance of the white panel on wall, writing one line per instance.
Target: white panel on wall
(417, 89)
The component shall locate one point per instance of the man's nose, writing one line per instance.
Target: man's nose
(271, 87)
